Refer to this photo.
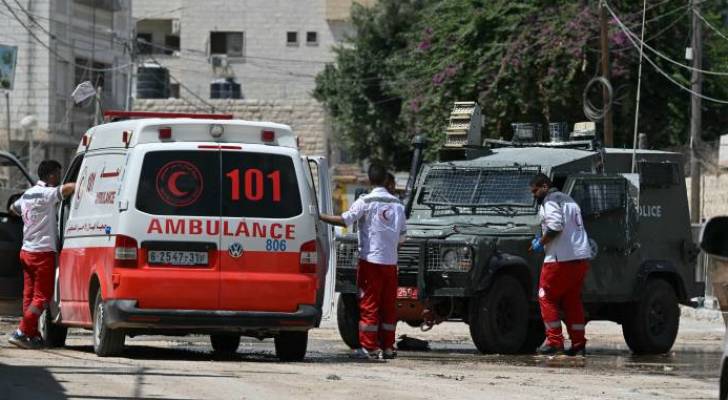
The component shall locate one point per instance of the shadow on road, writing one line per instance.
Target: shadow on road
(21, 382)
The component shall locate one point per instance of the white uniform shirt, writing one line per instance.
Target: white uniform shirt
(561, 213)
(382, 225)
(37, 207)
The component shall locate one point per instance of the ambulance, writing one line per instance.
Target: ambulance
(193, 224)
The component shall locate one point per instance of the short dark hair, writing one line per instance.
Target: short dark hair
(46, 168)
(540, 179)
(377, 175)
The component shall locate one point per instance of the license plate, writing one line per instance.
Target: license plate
(177, 257)
(404, 292)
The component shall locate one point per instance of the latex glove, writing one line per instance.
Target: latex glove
(536, 245)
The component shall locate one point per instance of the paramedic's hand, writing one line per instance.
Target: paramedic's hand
(536, 245)
(68, 189)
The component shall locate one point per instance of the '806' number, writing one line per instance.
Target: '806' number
(275, 245)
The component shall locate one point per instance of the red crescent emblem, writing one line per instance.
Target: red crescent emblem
(172, 184)
(384, 214)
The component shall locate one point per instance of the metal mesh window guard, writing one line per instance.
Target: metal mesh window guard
(474, 187)
(597, 197)
(408, 257)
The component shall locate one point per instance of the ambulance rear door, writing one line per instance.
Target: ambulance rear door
(319, 167)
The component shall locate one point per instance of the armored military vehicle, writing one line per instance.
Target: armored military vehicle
(471, 222)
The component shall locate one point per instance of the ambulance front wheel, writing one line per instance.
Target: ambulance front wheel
(347, 319)
(225, 343)
(291, 345)
(53, 335)
(107, 342)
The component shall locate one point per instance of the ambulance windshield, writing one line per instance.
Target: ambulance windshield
(230, 184)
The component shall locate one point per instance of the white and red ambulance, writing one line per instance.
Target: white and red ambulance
(193, 224)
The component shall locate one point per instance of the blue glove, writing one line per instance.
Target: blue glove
(536, 245)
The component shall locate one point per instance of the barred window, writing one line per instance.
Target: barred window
(599, 196)
(658, 174)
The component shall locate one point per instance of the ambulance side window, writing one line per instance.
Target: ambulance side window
(71, 176)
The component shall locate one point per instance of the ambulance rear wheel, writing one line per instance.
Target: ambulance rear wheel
(347, 318)
(291, 346)
(224, 343)
(651, 325)
(53, 335)
(107, 342)
(499, 317)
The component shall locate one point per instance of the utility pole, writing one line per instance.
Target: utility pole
(604, 39)
(695, 113)
(7, 117)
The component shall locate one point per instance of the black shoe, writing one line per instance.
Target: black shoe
(25, 342)
(549, 350)
(389, 354)
(576, 351)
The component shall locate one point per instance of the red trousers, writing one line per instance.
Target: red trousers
(377, 305)
(560, 290)
(38, 273)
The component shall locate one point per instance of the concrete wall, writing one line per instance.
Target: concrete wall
(307, 118)
(270, 69)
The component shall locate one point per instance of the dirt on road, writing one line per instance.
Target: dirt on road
(185, 368)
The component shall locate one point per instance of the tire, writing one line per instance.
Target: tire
(535, 336)
(53, 335)
(225, 343)
(347, 318)
(107, 342)
(651, 325)
(499, 317)
(291, 345)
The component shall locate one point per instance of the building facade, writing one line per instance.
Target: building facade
(272, 49)
(60, 44)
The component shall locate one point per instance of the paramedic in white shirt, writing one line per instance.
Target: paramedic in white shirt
(566, 262)
(382, 227)
(37, 207)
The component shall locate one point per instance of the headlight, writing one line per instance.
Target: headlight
(450, 259)
(457, 259)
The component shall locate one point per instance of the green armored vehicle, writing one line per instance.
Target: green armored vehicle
(471, 223)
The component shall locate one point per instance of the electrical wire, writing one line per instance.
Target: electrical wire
(592, 112)
(660, 70)
(52, 51)
(639, 86)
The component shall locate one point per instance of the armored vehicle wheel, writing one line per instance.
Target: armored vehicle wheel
(291, 346)
(107, 342)
(225, 343)
(53, 335)
(347, 318)
(652, 327)
(499, 317)
(534, 336)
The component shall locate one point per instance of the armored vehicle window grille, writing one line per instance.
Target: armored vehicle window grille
(347, 253)
(658, 174)
(598, 197)
(477, 187)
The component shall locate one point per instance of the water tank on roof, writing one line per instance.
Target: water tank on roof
(225, 89)
(152, 82)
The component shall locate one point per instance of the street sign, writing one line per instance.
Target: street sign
(8, 60)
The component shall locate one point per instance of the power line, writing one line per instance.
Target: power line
(656, 67)
(54, 52)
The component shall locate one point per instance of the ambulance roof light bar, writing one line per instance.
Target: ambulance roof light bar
(117, 115)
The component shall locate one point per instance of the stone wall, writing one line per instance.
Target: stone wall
(714, 194)
(307, 118)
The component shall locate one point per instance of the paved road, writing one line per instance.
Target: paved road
(185, 368)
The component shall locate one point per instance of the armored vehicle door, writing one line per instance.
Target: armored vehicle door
(609, 211)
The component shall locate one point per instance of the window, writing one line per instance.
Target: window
(171, 44)
(227, 43)
(600, 196)
(144, 43)
(311, 38)
(174, 90)
(658, 174)
(253, 185)
(292, 38)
